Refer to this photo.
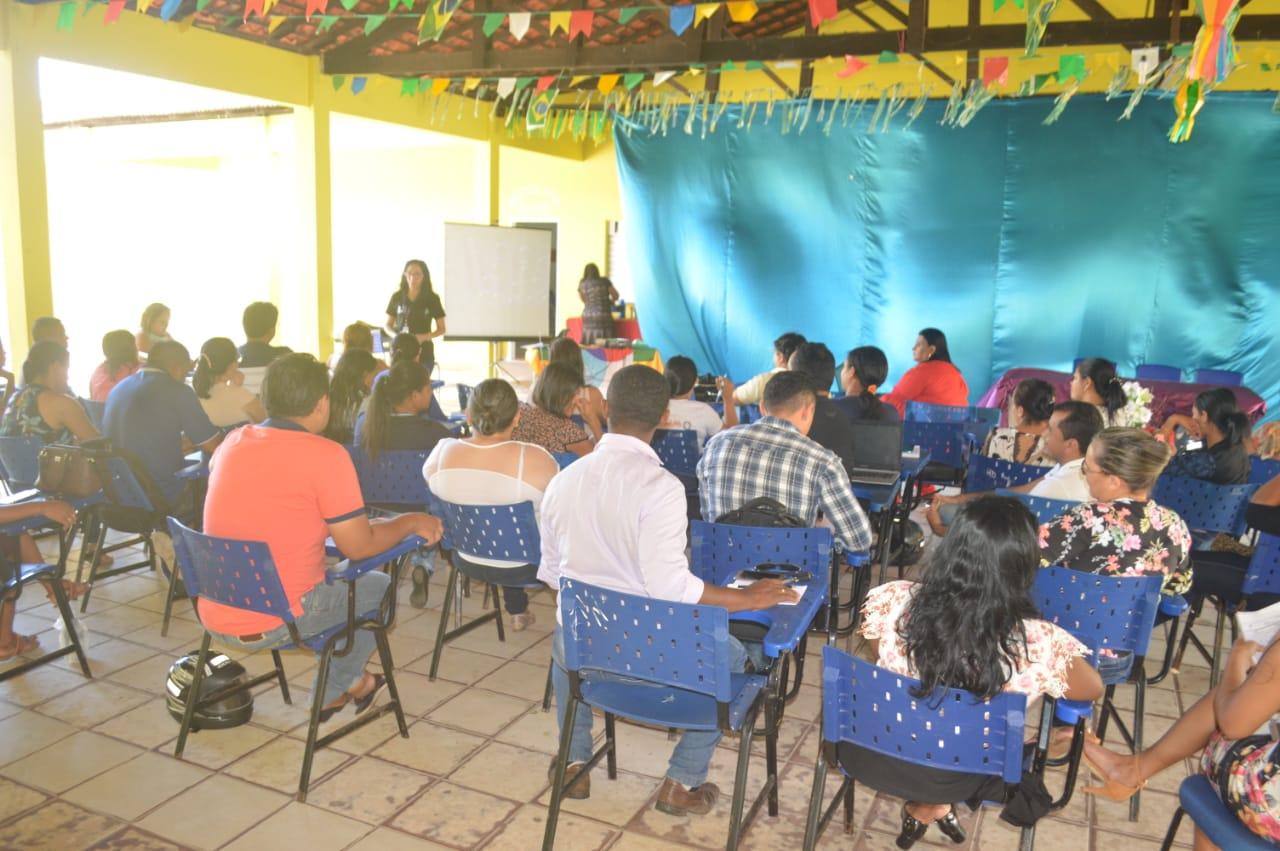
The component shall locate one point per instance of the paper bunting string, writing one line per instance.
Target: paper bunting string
(681, 18)
(544, 83)
(67, 16)
(275, 22)
(704, 11)
(852, 65)
(606, 83)
(625, 16)
(633, 80)
(492, 20)
(523, 83)
(742, 11)
(995, 71)
(408, 86)
(315, 7)
(661, 77)
(251, 7)
(506, 86)
(821, 10)
(887, 57)
(1071, 66)
(470, 84)
(580, 23)
(327, 22)
(995, 7)
(438, 87)
(114, 8)
(168, 8)
(372, 22)
(560, 21)
(1212, 58)
(1038, 14)
(358, 84)
(518, 23)
(338, 82)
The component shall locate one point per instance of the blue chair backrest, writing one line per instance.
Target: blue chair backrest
(1263, 470)
(505, 532)
(1263, 573)
(988, 474)
(564, 459)
(873, 708)
(395, 478)
(95, 411)
(1158, 372)
(748, 414)
(720, 550)
(234, 573)
(1042, 507)
(20, 459)
(123, 488)
(946, 442)
(678, 449)
(1112, 612)
(1221, 377)
(924, 412)
(680, 645)
(1204, 506)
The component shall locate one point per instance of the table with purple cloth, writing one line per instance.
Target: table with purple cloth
(1168, 397)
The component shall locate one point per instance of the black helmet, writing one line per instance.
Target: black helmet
(219, 672)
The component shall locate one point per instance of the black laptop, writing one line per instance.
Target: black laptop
(877, 452)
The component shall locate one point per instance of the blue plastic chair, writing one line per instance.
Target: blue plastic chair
(394, 482)
(95, 411)
(1263, 470)
(1198, 798)
(1262, 576)
(564, 459)
(924, 412)
(874, 709)
(720, 550)
(678, 450)
(1158, 372)
(748, 414)
(1103, 613)
(676, 656)
(501, 532)
(988, 474)
(1206, 508)
(20, 462)
(1221, 377)
(242, 574)
(949, 446)
(1042, 507)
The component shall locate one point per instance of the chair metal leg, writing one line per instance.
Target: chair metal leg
(280, 677)
(815, 803)
(193, 694)
(169, 598)
(99, 542)
(740, 783)
(1171, 639)
(1172, 832)
(450, 591)
(1186, 634)
(546, 693)
(64, 609)
(771, 750)
(1105, 714)
(611, 739)
(313, 728)
(848, 807)
(1217, 646)
(557, 780)
(497, 608)
(1139, 708)
(388, 671)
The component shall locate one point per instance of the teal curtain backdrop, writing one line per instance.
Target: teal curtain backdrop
(1028, 245)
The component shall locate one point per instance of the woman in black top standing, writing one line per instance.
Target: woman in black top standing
(413, 307)
(598, 297)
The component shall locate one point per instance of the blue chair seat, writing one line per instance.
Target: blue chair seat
(1200, 800)
(672, 707)
(1071, 711)
(26, 573)
(316, 642)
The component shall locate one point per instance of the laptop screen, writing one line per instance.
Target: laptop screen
(877, 445)
(377, 340)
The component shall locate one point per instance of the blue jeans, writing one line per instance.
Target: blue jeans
(692, 756)
(323, 607)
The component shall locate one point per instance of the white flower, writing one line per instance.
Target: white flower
(1136, 412)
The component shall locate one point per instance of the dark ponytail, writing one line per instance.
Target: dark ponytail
(1036, 398)
(401, 381)
(1219, 405)
(40, 358)
(1106, 383)
(871, 368)
(216, 356)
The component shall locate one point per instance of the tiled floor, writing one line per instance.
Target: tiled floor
(88, 763)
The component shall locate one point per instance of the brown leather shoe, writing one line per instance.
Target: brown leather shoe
(675, 800)
(579, 781)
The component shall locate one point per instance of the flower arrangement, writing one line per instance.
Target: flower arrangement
(1136, 412)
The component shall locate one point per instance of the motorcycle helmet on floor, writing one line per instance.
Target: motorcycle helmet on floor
(220, 672)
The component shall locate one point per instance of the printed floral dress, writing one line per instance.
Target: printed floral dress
(1246, 773)
(1121, 538)
(23, 419)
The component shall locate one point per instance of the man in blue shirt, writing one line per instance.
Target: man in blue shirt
(150, 413)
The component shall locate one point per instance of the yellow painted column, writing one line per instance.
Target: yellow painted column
(24, 200)
(316, 206)
(495, 186)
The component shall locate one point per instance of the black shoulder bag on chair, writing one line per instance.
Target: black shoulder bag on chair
(767, 512)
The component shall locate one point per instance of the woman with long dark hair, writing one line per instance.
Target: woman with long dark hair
(414, 307)
(219, 386)
(968, 624)
(934, 379)
(352, 380)
(598, 296)
(1095, 381)
(1223, 429)
(121, 352)
(557, 395)
(1023, 441)
(865, 369)
(44, 406)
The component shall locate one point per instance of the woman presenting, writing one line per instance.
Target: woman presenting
(413, 307)
(598, 297)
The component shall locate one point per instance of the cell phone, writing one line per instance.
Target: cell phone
(799, 577)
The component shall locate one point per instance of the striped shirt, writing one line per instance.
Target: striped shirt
(772, 458)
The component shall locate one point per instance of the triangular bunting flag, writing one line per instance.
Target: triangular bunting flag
(560, 21)
(316, 6)
(518, 23)
(852, 65)
(580, 23)
(544, 83)
(492, 20)
(506, 86)
(995, 71)
(573, 82)
(142, 6)
(754, 65)
(358, 84)
(522, 83)
(200, 4)
(661, 77)
(438, 87)
(274, 22)
(606, 83)
(168, 8)
(821, 10)
(470, 83)
(742, 11)
(625, 16)
(66, 16)
(704, 11)
(338, 82)
(372, 22)
(348, 4)
(114, 8)
(632, 80)
(391, 6)
(408, 86)
(434, 19)
(887, 56)
(251, 7)
(327, 22)
(681, 18)
(1071, 65)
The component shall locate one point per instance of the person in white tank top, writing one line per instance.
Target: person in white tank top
(490, 468)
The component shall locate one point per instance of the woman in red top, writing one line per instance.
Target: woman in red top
(934, 379)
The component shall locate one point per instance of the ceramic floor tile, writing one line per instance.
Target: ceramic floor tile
(430, 748)
(92, 703)
(57, 826)
(71, 761)
(217, 748)
(419, 695)
(41, 684)
(640, 842)
(369, 790)
(213, 812)
(148, 675)
(107, 657)
(526, 830)
(121, 620)
(614, 802)
(457, 665)
(1051, 835)
(133, 839)
(184, 637)
(278, 765)
(453, 815)
(513, 772)
(387, 839)
(301, 826)
(537, 731)
(147, 726)
(518, 679)
(270, 710)
(27, 732)
(16, 798)
(129, 790)
(480, 711)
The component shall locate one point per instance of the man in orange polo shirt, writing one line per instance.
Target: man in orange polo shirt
(282, 483)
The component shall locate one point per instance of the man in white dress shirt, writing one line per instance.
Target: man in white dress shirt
(615, 518)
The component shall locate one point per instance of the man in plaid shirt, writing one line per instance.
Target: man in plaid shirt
(773, 458)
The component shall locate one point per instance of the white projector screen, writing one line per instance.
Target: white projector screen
(498, 283)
